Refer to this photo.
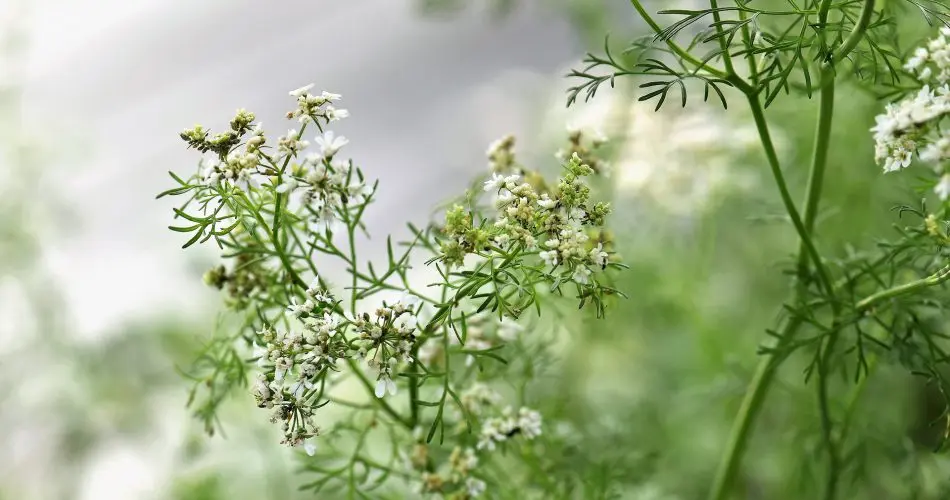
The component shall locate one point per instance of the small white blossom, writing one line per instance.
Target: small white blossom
(943, 187)
(334, 114)
(330, 143)
(385, 384)
(302, 91)
(310, 446)
(598, 256)
(494, 183)
(581, 275)
(549, 257)
(474, 487)
(546, 202)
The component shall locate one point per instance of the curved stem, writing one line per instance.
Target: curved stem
(765, 371)
(686, 56)
(723, 41)
(935, 279)
(857, 33)
(804, 233)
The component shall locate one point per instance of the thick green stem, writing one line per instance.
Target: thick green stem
(765, 371)
(819, 161)
(748, 411)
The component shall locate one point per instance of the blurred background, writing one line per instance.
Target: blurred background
(98, 304)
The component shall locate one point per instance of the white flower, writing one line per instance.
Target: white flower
(546, 202)
(281, 367)
(943, 187)
(936, 151)
(302, 91)
(474, 487)
(359, 192)
(310, 445)
(384, 384)
(330, 143)
(329, 96)
(260, 389)
(300, 387)
(919, 59)
(260, 353)
(405, 322)
(598, 256)
(549, 257)
(288, 186)
(299, 310)
(581, 275)
(529, 421)
(494, 183)
(334, 114)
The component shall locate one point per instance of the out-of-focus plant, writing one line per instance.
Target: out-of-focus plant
(853, 311)
(464, 350)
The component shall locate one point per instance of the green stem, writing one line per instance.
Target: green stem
(750, 57)
(824, 408)
(686, 56)
(857, 33)
(748, 411)
(765, 371)
(379, 401)
(803, 233)
(935, 279)
(816, 176)
(723, 42)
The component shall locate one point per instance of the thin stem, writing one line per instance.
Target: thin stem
(935, 279)
(824, 408)
(723, 42)
(857, 33)
(750, 56)
(379, 401)
(765, 371)
(803, 233)
(686, 56)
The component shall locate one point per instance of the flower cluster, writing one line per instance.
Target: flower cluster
(912, 125)
(387, 338)
(906, 125)
(529, 212)
(453, 478)
(495, 430)
(501, 155)
(294, 362)
(329, 185)
(585, 145)
(932, 62)
(310, 107)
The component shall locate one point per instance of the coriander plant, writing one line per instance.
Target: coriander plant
(849, 310)
(393, 384)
